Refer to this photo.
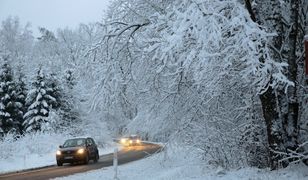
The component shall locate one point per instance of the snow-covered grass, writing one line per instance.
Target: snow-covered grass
(185, 164)
(35, 150)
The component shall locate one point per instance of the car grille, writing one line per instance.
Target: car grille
(69, 152)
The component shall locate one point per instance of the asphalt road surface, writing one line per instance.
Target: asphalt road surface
(125, 155)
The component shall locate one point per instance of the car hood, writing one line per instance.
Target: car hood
(72, 148)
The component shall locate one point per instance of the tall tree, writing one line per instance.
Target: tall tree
(21, 93)
(8, 100)
(281, 106)
(55, 90)
(39, 101)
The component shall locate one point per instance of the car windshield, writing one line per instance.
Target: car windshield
(74, 142)
(133, 137)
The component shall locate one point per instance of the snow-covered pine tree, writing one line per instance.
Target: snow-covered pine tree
(39, 102)
(21, 93)
(54, 90)
(8, 103)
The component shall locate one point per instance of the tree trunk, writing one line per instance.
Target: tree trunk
(290, 120)
(273, 124)
(280, 110)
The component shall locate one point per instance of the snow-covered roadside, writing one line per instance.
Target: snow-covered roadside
(33, 151)
(109, 148)
(30, 151)
(186, 166)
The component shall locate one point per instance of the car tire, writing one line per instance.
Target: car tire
(96, 157)
(59, 163)
(86, 159)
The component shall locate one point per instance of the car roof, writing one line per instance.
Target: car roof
(79, 138)
(129, 136)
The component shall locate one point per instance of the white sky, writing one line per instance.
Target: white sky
(53, 14)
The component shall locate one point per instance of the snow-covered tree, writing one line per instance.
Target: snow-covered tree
(21, 93)
(46, 51)
(54, 90)
(186, 67)
(46, 35)
(39, 101)
(282, 110)
(62, 91)
(69, 103)
(9, 105)
(15, 41)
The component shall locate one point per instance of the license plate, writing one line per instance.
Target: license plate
(68, 157)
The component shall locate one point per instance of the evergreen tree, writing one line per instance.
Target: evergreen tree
(55, 91)
(39, 101)
(21, 93)
(8, 101)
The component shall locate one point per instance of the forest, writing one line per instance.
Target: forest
(226, 77)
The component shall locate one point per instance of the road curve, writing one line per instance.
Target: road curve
(125, 155)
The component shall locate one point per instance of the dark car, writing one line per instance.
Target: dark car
(131, 140)
(77, 150)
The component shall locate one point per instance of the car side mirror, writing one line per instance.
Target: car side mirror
(60, 146)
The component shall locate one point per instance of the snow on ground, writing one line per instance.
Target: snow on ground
(184, 165)
(35, 150)
(109, 148)
(177, 163)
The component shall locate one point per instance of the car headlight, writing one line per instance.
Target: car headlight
(131, 141)
(123, 140)
(138, 140)
(80, 151)
(58, 152)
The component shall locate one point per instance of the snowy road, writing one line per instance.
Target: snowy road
(127, 154)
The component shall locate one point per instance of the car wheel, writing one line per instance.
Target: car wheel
(86, 159)
(59, 163)
(96, 158)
